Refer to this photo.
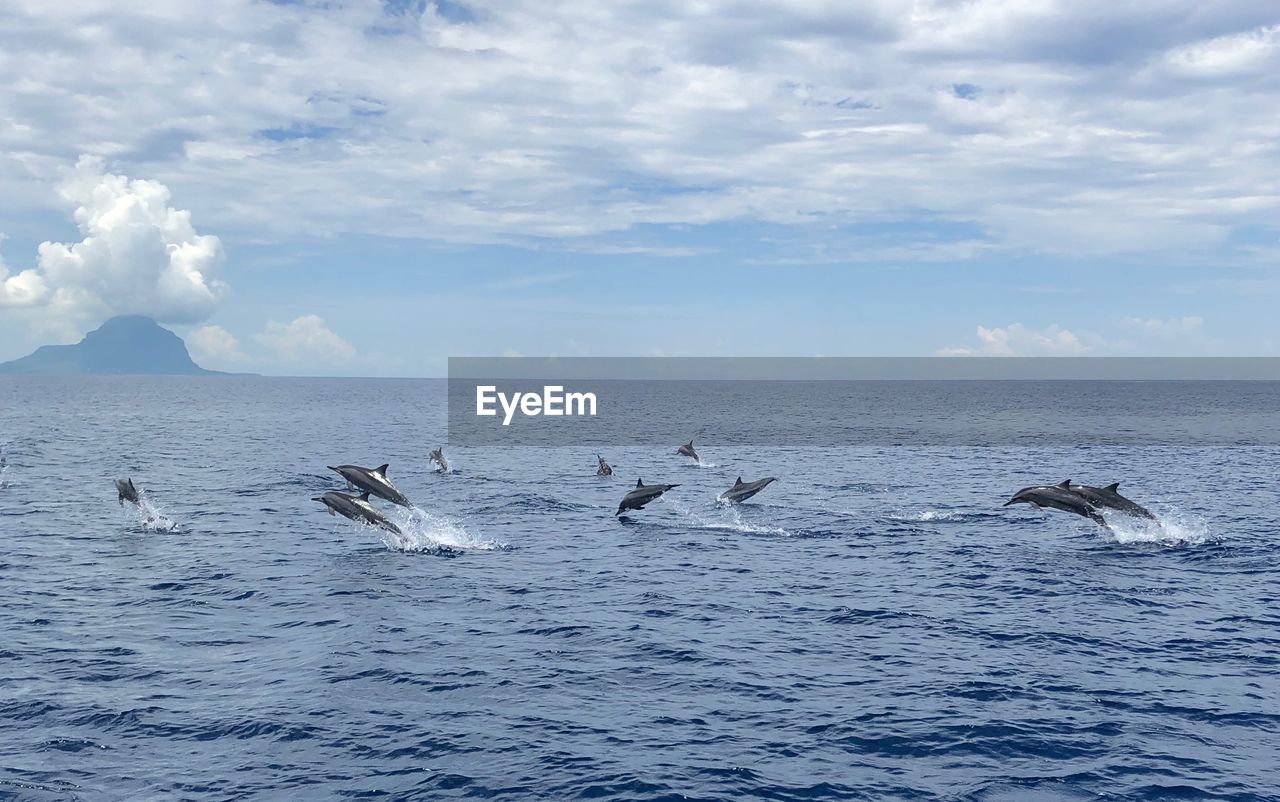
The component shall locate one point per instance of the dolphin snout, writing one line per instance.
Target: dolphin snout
(1011, 501)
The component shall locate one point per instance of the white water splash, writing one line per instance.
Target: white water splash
(1172, 528)
(150, 517)
(727, 517)
(425, 531)
(927, 515)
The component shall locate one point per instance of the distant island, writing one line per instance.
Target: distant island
(129, 344)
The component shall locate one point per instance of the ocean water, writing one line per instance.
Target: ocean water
(873, 626)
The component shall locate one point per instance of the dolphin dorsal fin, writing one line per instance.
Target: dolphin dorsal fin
(364, 496)
(735, 484)
(639, 483)
(690, 444)
(1065, 484)
(1114, 487)
(131, 487)
(382, 469)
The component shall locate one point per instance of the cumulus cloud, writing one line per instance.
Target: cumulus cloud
(306, 338)
(215, 343)
(137, 255)
(1019, 340)
(1023, 127)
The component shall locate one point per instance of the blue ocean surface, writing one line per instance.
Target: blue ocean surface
(875, 625)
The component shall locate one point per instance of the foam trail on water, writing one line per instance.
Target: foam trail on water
(425, 531)
(1173, 528)
(927, 515)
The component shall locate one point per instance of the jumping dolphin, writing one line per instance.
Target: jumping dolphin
(641, 495)
(603, 469)
(1109, 498)
(437, 457)
(125, 491)
(686, 450)
(1056, 497)
(357, 508)
(374, 481)
(741, 491)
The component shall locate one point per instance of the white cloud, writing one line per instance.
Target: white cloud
(306, 339)
(215, 343)
(1036, 126)
(1019, 340)
(138, 255)
(1166, 328)
(1131, 336)
(25, 289)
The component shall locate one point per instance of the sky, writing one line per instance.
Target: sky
(367, 188)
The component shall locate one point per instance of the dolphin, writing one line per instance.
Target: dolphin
(437, 457)
(1109, 498)
(1056, 497)
(374, 481)
(641, 495)
(357, 508)
(686, 450)
(741, 491)
(603, 469)
(125, 491)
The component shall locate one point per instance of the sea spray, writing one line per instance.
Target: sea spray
(726, 517)
(423, 531)
(150, 517)
(1171, 528)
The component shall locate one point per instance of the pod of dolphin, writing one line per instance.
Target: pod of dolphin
(1084, 500)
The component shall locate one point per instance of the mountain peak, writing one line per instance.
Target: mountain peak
(128, 344)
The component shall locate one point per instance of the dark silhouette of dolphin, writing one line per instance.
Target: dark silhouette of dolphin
(372, 480)
(125, 491)
(1057, 497)
(603, 469)
(1109, 498)
(641, 495)
(686, 450)
(741, 491)
(437, 457)
(357, 508)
